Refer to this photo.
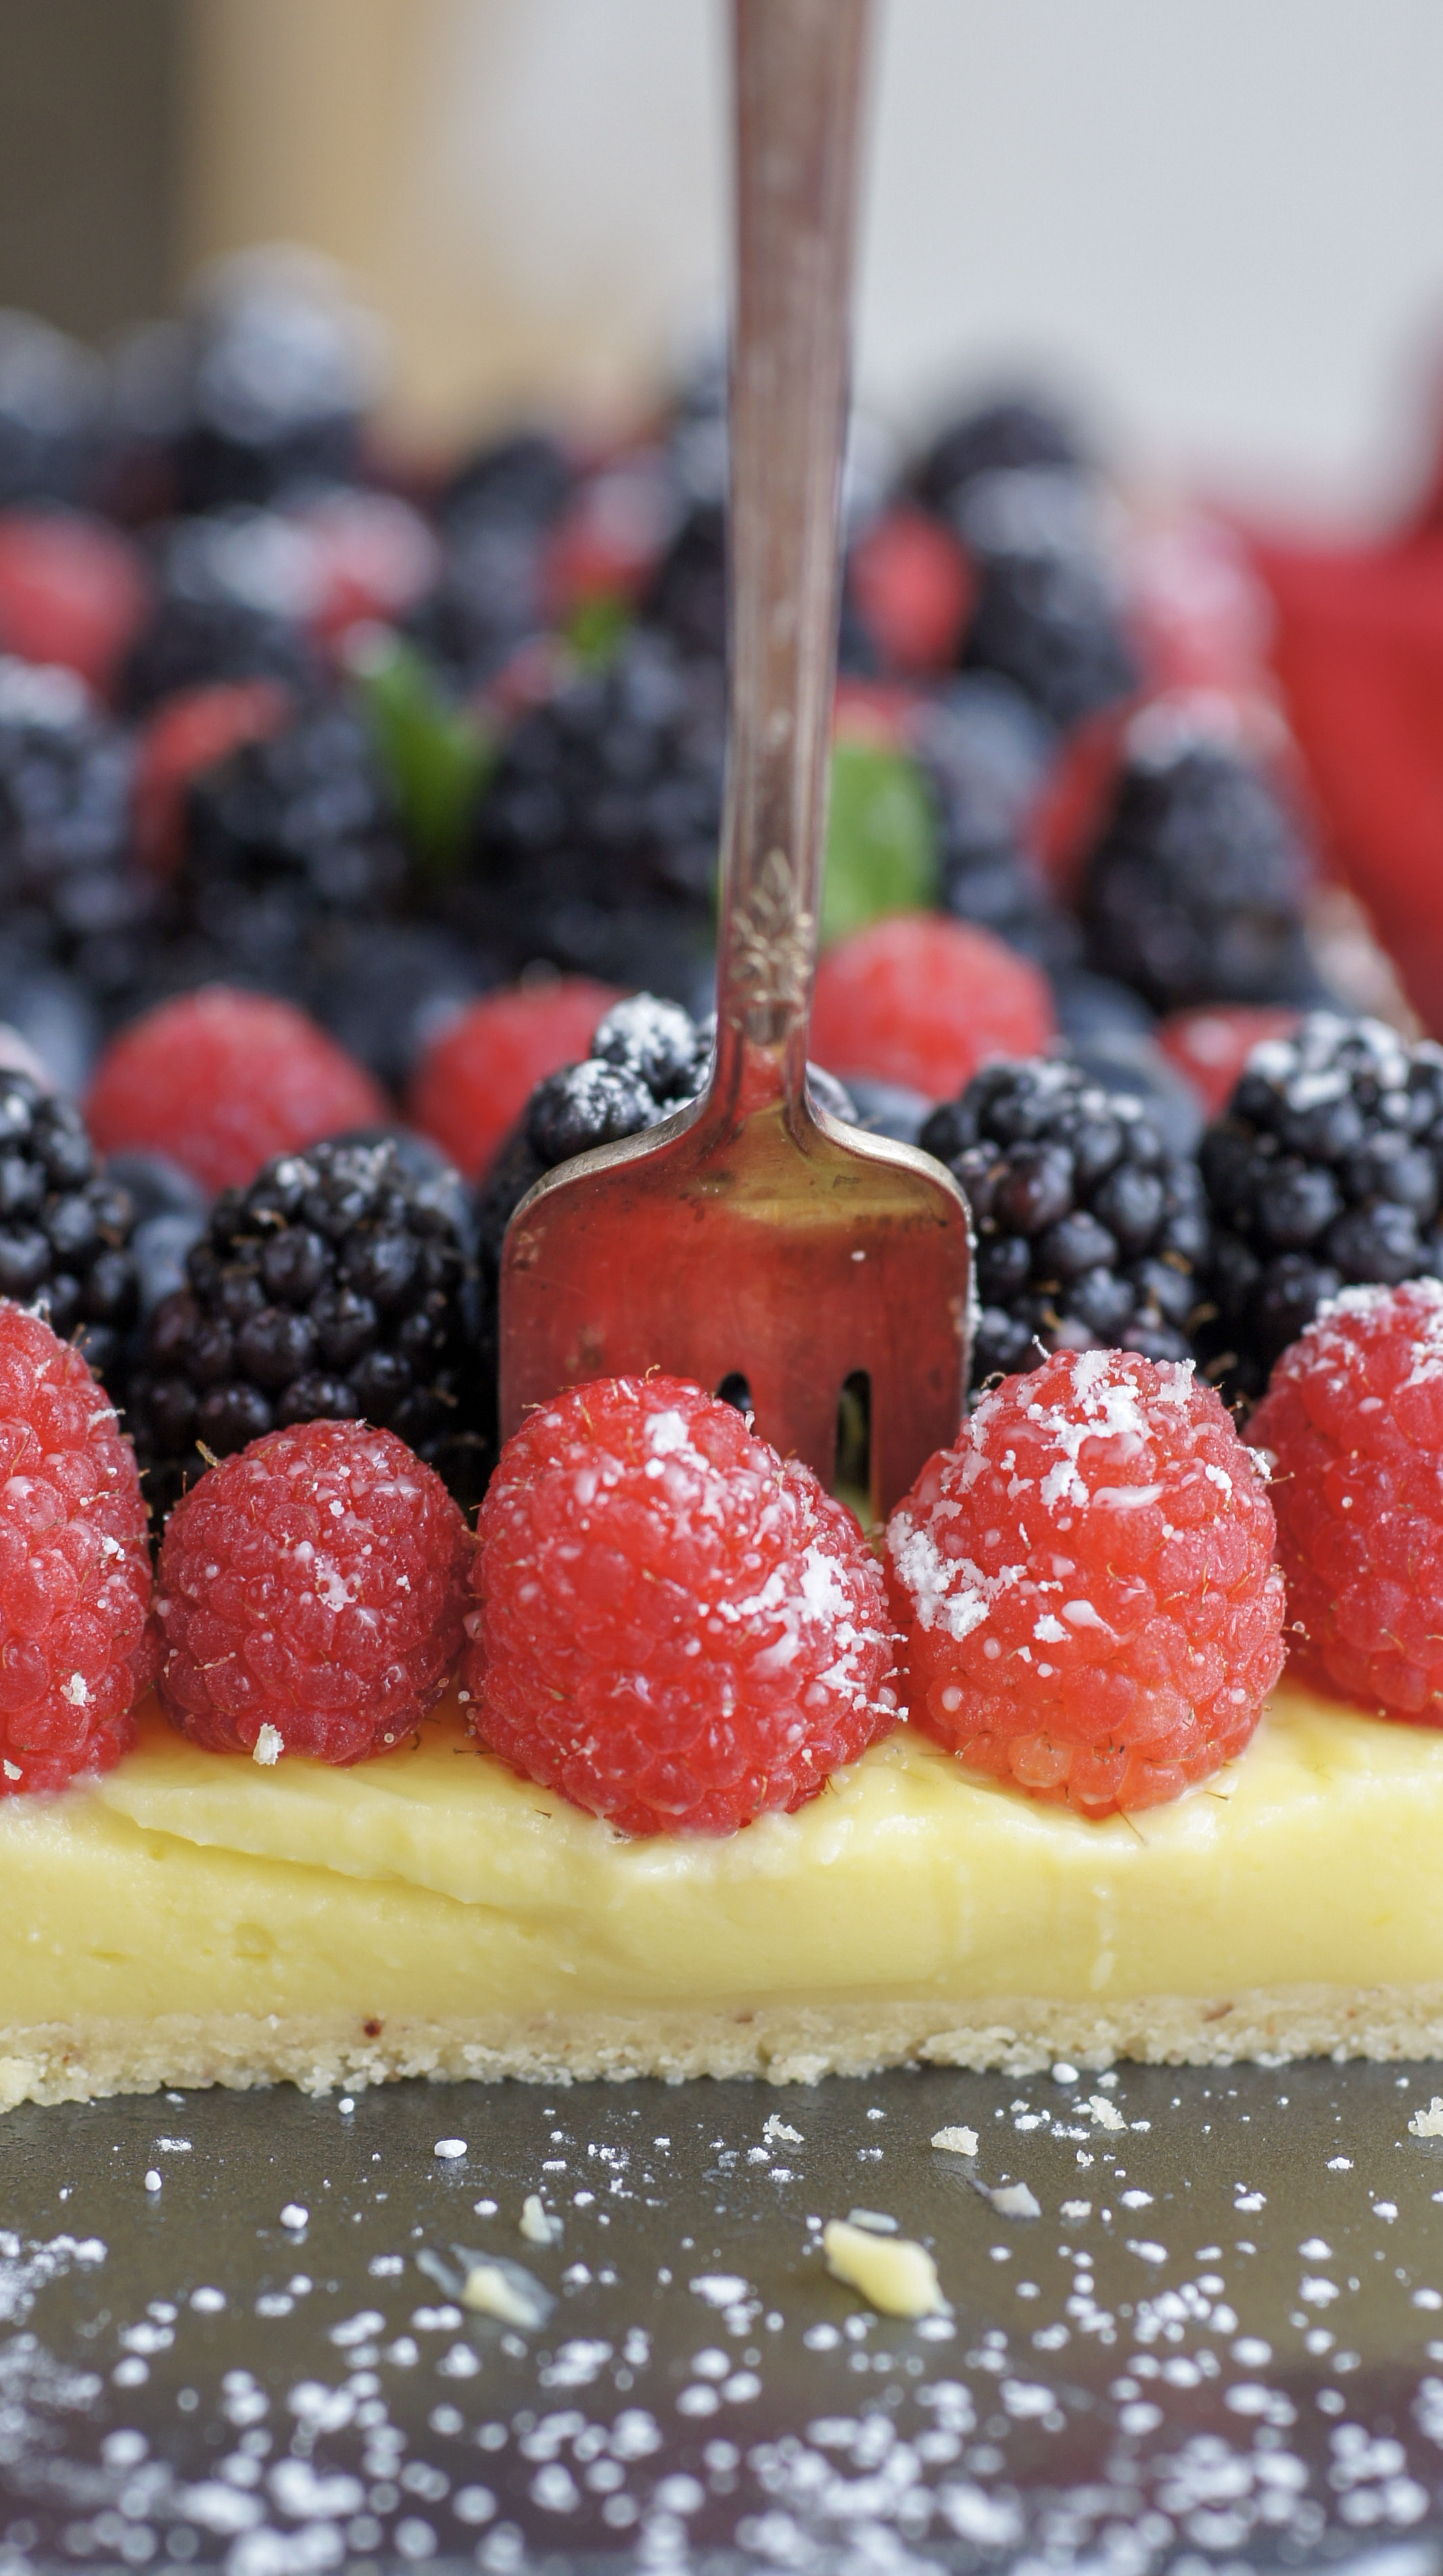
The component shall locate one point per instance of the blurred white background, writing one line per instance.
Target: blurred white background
(1219, 221)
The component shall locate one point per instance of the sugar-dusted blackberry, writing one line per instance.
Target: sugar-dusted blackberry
(65, 1227)
(337, 1286)
(986, 753)
(275, 372)
(1089, 1233)
(1194, 890)
(232, 593)
(1047, 612)
(1325, 1172)
(1013, 432)
(606, 800)
(68, 894)
(288, 839)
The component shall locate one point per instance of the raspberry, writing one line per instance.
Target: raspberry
(1353, 1418)
(74, 1566)
(1087, 1586)
(474, 1082)
(1211, 1046)
(924, 1002)
(71, 591)
(677, 1629)
(313, 1585)
(188, 734)
(220, 1081)
(912, 589)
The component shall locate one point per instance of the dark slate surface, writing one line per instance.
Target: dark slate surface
(1233, 2359)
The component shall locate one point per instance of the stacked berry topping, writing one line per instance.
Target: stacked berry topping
(1327, 1171)
(1194, 891)
(1085, 1584)
(64, 1229)
(676, 1628)
(310, 1594)
(231, 596)
(1088, 1230)
(67, 893)
(1353, 1422)
(74, 1566)
(335, 1287)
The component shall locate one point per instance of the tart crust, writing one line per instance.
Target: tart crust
(193, 1919)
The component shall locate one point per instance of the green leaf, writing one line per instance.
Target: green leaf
(597, 628)
(436, 754)
(881, 839)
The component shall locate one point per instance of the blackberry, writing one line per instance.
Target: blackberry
(68, 895)
(986, 754)
(686, 598)
(1014, 432)
(496, 515)
(50, 402)
(337, 1287)
(275, 373)
(231, 595)
(1089, 1233)
(289, 841)
(601, 825)
(1194, 891)
(65, 1227)
(1046, 615)
(1325, 1172)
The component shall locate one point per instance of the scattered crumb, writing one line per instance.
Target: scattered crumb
(1429, 2123)
(777, 2134)
(295, 2214)
(956, 2142)
(449, 2148)
(508, 2292)
(1077, 2209)
(875, 2219)
(1340, 2164)
(1105, 2113)
(152, 2180)
(1012, 2200)
(892, 2274)
(269, 1745)
(536, 2226)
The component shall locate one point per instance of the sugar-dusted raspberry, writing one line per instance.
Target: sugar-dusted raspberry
(910, 582)
(924, 1001)
(1086, 1584)
(74, 1565)
(312, 1586)
(1353, 1419)
(221, 1080)
(676, 1628)
(476, 1079)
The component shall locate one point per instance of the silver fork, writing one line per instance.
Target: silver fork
(752, 1242)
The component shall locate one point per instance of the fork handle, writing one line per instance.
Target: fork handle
(798, 70)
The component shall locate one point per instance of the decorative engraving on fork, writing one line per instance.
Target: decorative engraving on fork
(771, 942)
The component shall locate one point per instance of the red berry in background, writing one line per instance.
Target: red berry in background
(913, 589)
(1086, 1586)
(1353, 1419)
(1077, 797)
(314, 1584)
(921, 1000)
(676, 1628)
(75, 1652)
(221, 1080)
(1211, 1046)
(474, 1081)
(187, 734)
(72, 591)
(372, 558)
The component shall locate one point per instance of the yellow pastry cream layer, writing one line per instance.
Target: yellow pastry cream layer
(195, 1918)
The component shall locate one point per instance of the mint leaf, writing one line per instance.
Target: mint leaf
(436, 754)
(882, 851)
